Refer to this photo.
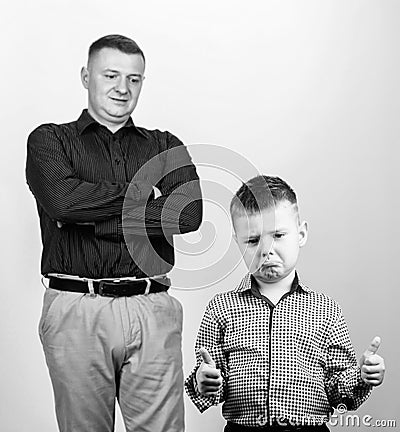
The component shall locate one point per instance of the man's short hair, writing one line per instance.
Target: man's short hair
(260, 193)
(118, 42)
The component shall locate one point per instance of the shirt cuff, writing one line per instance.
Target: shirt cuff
(354, 389)
(140, 191)
(201, 402)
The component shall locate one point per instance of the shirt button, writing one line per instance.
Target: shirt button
(117, 161)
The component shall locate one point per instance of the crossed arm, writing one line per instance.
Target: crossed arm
(66, 198)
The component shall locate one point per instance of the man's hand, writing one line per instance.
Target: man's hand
(157, 192)
(372, 364)
(208, 377)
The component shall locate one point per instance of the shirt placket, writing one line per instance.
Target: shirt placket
(117, 159)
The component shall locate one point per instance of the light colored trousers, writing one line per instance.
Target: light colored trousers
(101, 349)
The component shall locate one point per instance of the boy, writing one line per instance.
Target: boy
(275, 352)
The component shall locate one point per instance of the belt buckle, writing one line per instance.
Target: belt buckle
(103, 293)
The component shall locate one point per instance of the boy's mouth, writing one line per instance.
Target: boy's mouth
(266, 265)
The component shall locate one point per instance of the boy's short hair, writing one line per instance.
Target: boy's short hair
(115, 41)
(260, 193)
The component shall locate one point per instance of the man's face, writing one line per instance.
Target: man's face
(113, 80)
(270, 240)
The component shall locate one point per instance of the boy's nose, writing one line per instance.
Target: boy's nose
(267, 248)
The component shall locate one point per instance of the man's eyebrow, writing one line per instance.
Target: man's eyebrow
(117, 72)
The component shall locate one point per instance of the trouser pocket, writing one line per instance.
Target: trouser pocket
(49, 297)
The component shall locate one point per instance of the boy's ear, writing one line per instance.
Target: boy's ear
(85, 77)
(303, 233)
(234, 236)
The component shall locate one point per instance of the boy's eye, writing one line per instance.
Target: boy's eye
(134, 80)
(110, 76)
(253, 241)
(279, 235)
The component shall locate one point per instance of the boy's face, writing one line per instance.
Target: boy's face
(270, 241)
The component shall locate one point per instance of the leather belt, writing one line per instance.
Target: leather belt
(107, 288)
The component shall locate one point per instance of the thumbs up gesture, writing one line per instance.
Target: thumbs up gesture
(372, 364)
(208, 377)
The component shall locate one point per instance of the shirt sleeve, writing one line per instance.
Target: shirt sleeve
(59, 190)
(210, 336)
(179, 208)
(343, 382)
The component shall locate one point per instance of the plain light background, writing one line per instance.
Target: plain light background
(308, 90)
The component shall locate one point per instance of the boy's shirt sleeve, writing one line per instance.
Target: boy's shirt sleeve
(343, 382)
(210, 336)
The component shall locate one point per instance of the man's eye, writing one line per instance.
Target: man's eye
(134, 80)
(279, 235)
(109, 76)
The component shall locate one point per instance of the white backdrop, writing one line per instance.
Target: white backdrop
(308, 90)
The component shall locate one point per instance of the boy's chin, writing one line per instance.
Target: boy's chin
(269, 276)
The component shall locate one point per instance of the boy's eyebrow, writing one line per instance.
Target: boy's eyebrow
(279, 229)
(275, 230)
(250, 236)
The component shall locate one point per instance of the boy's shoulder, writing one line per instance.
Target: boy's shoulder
(321, 299)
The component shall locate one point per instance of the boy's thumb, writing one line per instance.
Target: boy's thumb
(373, 347)
(206, 357)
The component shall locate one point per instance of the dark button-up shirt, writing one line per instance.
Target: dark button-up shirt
(98, 186)
(290, 364)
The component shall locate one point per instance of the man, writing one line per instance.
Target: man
(109, 328)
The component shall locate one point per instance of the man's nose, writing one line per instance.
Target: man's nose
(121, 86)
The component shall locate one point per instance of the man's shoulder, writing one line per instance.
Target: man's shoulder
(55, 128)
(165, 138)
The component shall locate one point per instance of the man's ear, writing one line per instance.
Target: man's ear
(303, 233)
(85, 77)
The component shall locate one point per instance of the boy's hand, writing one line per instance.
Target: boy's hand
(208, 377)
(372, 364)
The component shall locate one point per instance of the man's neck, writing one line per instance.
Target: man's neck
(113, 127)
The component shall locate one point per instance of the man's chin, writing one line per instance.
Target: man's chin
(120, 115)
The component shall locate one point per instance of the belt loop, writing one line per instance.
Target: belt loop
(147, 290)
(91, 289)
(42, 280)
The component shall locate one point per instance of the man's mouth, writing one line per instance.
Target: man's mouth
(119, 100)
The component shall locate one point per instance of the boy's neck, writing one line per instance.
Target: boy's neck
(274, 291)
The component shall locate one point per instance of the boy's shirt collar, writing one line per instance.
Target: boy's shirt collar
(247, 284)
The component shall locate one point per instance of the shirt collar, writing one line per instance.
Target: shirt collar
(86, 121)
(246, 282)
